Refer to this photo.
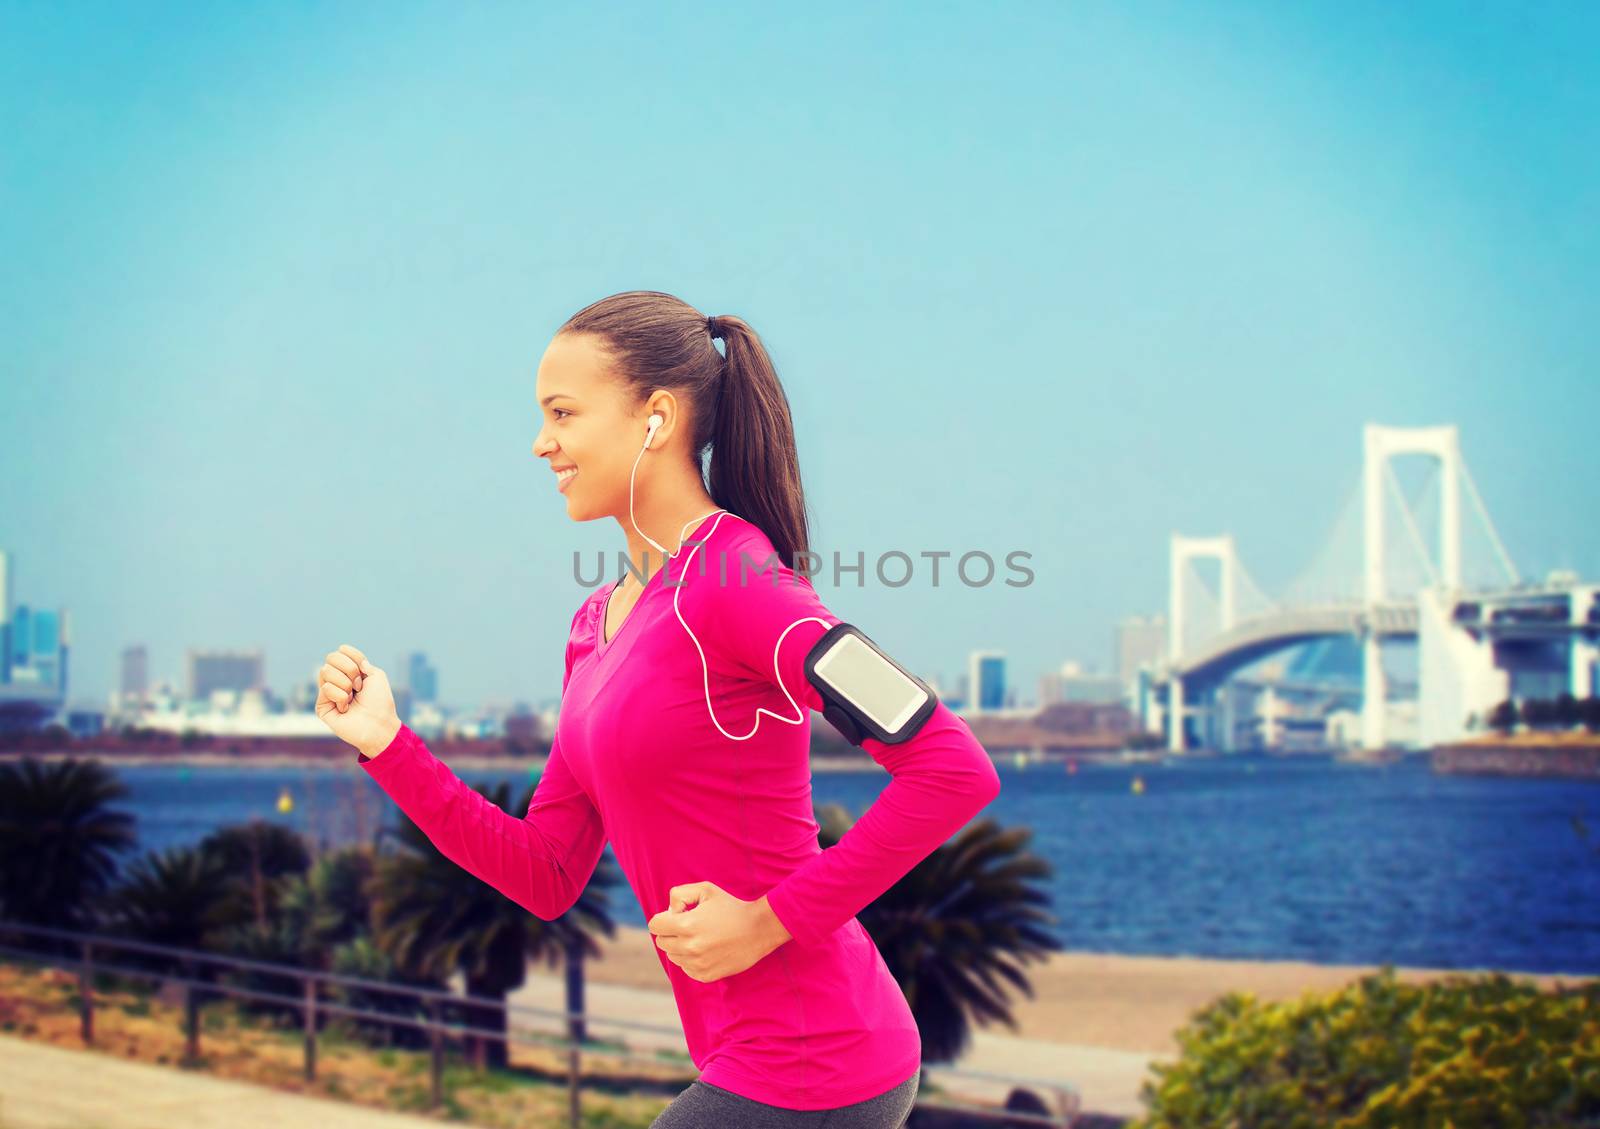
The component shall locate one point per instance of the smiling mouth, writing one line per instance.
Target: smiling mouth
(565, 476)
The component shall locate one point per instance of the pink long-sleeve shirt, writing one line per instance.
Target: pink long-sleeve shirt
(819, 1022)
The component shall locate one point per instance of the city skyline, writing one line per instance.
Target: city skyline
(1063, 283)
(135, 668)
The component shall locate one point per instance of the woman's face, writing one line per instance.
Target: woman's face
(587, 427)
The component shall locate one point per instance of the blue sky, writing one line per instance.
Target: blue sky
(1060, 278)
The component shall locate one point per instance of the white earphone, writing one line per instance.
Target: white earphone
(652, 423)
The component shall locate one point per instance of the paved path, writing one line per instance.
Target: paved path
(45, 1087)
(1106, 1080)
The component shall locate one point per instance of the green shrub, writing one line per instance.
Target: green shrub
(1463, 1051)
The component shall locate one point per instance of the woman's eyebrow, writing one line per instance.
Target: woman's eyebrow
(545, 403)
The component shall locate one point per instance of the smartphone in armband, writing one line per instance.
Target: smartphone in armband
(865, 693)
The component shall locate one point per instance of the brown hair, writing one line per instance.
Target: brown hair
(740, 412)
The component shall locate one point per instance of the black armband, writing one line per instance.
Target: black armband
(865, 693)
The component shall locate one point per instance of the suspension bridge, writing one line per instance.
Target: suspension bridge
(1422, 565)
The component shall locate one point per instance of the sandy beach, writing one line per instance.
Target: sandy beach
(1125, 1003)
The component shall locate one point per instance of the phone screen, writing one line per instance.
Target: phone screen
(870, 682)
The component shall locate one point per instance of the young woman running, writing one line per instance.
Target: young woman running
(684, 733)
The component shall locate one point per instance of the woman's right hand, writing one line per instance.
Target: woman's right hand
(355, 701)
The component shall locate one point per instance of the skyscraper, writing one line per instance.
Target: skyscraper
(987, 680)
(422, 678)
(135, 673)
(237, 670)
(1141, 642)
(5, 617)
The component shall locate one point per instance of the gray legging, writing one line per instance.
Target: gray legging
(704, 1106)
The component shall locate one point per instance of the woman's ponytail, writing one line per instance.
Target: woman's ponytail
(755, 467)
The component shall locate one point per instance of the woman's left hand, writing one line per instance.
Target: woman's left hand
(709, 933)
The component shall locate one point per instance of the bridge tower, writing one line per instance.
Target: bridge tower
(1584, 654)
(1184, 550)
(1382, 445)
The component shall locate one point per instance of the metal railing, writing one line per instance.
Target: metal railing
(309, 1002)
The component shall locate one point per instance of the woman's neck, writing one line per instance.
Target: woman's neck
(668, 522)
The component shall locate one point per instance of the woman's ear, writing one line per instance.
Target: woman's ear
(662, 408)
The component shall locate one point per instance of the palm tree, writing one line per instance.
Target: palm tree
(961, 921)
(222, 894)
(59, 839)
(189, 897)
(167, 897)
(172, 897)
(360, 957)
(328, 905)
(312, 914)
(435, 918)
(261, 859)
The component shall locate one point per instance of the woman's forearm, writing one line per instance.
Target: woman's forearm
(941, 779)
(542, 861)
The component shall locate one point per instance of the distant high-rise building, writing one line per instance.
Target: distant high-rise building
(422, 678)
(33, 641)
(135, 673)
(1141, 642)
(235, 670)
(21, 636)
(987, 678)
(37, 647)
(5, 616)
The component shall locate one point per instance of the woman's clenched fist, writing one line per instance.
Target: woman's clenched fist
(354, 700)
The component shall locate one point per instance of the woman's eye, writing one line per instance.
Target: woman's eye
(559, 412)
